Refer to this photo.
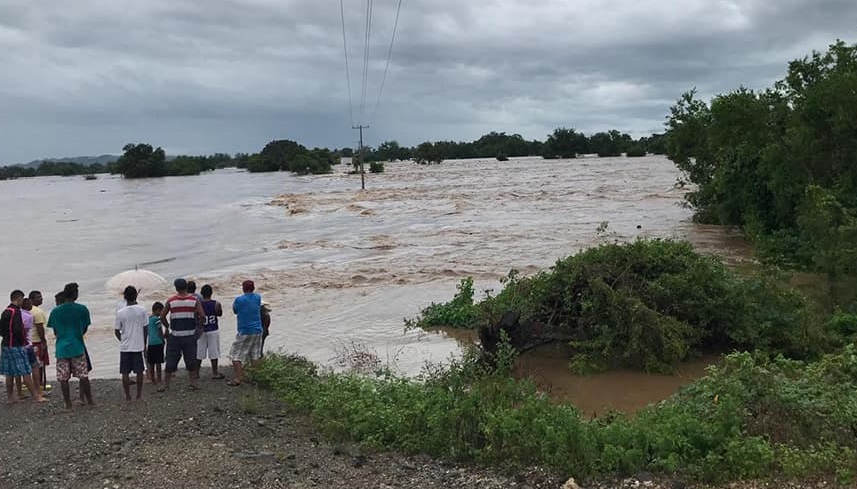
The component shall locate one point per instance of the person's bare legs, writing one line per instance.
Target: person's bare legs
(239, 372)
(158, 373)
(139, 386)
(37, 379)
(86, 390)
(10, 390)
(214, 367)
(167, 377)
(126, 386)
(66, 393)
(37, 396)
(150, 372)
(19, 387)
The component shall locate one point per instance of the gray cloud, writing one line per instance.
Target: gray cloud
(86, 77)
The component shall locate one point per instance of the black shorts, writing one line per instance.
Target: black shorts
(178, 347)
(155, 354)
(131, 361)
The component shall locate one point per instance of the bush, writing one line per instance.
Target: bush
(376, 167)
(646, 305)
(753, 417)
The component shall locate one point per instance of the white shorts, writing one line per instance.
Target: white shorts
(208, 346)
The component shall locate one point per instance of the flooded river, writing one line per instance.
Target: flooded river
(340, 266)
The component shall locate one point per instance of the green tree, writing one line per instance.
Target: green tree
(427, 153)
(142, 161)
(760, 159)
(565, 143)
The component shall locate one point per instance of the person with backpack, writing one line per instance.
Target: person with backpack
(14, 360)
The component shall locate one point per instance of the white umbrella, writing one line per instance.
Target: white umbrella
(140, 279)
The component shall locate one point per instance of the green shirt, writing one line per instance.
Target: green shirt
(69, 322)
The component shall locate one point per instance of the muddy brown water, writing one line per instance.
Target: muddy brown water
(341, 267)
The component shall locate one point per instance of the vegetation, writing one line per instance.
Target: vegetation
(287, 155)
(427, 153)
(646, 305)
(781, 163)
(142, 161)
(753, 417)
(51, 168)
(376, 167)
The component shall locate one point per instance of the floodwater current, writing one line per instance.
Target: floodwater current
(342, 267)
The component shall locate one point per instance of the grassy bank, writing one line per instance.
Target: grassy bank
(753, 417)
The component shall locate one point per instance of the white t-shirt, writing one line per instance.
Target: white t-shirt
(132, 322)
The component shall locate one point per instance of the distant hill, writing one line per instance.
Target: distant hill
(84, 160)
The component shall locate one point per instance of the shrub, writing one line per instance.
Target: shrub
(376, 167)
(648, 305)
(752, 417)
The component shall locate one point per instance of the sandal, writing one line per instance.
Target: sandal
(232, 383)
(161, 389)
(193, 387)
(218, 377)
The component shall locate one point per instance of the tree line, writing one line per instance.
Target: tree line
(562, 143)
(142, 160)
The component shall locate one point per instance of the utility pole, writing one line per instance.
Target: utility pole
(362, 173)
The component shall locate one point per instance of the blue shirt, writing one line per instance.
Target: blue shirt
(70, 322)
(155, 331)
(248, 307)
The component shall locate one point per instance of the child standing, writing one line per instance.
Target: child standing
(155, 348)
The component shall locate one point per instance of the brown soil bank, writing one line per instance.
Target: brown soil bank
(218, 437)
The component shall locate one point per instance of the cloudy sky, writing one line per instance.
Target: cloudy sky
(85, 77)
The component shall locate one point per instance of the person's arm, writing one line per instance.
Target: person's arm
(117, 329)
(200, 316)
(86, 321)
(164, 322)
(145, 336)
(218, 309)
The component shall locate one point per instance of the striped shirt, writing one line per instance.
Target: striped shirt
(182, 315)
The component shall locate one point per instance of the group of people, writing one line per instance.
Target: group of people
(185, 327)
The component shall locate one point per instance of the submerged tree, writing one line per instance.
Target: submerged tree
(142, 161)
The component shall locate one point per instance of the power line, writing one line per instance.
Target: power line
(347, 69)
(387, 65)
(370, 6)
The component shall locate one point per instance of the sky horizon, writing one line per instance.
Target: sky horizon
(84, 78)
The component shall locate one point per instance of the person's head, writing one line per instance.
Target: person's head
(71, 291)
(36, 297)
(157, 309)
(16, 297)
(191, 287)
(206, 291)
(59, 297)
(27, 304)
(248, 286)
(181, 285)
(130, 294)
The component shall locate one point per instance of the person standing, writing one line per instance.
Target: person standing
(29, 329)
(247, 347)
(70, 321)
(183, 328)
(208, 345)
(39, 339)
(266, 324)
(132, 331)
(155, 348)
(13, 354)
